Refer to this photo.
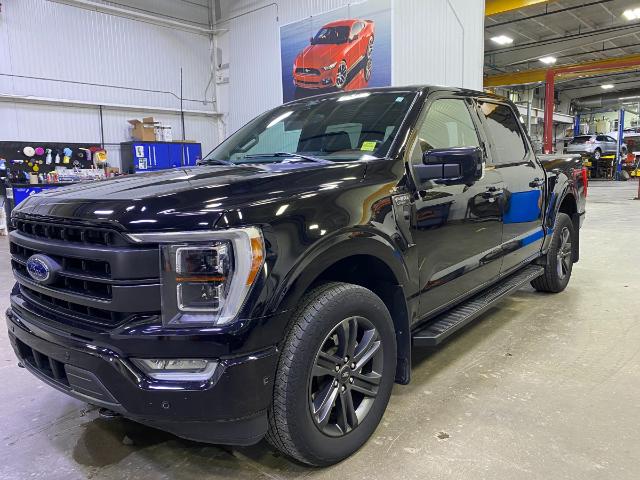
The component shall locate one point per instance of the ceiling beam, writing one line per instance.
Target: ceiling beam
(614, 64)
(492, 7)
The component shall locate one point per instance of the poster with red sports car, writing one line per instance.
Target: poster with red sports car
(345, 49)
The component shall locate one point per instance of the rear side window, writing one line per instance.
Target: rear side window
(503, 128)
(582, 139)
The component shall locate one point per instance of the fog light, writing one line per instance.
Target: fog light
(185, 370)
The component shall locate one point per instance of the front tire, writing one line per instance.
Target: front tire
(334, 376)
(557, 272)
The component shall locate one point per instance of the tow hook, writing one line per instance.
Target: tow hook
(108, 414)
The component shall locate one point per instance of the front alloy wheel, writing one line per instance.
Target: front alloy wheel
(335, 374)
(346, 375)
(341, 75)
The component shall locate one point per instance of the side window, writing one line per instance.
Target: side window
(611, 139)
(447, 124)
(601, 138)
(357, 28)
(503, 128)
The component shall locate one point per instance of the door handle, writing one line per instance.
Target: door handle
(536, 182)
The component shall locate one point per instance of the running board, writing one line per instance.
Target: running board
(453, 320)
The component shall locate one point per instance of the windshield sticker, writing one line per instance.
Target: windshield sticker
(368, 146)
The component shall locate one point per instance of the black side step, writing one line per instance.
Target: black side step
(453, 320)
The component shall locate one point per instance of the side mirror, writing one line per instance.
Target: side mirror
(451, 166)
(311, 40)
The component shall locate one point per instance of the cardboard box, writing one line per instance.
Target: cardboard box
(144, 130)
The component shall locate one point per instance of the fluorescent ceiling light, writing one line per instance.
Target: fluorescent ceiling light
(632, 14)
(548, 60)
(502, 40)
(606, 86)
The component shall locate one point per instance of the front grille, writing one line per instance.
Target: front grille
(308, 71)
(47, 366)
(87, 314)
(68, 233)
(74, 285)
(100, 281)
(69, 264)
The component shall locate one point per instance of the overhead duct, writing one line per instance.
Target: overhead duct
(612, 99)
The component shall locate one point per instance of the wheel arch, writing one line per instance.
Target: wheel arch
(369, 262)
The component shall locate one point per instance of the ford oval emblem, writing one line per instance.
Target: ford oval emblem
(42, 268)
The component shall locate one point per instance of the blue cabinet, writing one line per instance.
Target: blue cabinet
(150, 156)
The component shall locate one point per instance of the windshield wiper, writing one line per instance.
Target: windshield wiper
(215, 161)
(296, 156)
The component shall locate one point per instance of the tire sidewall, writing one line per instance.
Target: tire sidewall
(314, 445)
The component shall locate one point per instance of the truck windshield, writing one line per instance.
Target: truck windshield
(347, 127)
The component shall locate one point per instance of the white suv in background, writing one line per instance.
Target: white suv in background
(594, 145)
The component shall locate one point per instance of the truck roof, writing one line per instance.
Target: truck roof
(409, 88)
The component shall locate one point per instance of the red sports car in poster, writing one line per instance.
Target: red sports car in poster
(334, 52)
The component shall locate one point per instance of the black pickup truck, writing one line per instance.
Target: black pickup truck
(277, 290)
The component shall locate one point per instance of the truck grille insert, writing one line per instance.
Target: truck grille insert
(68, 233)
(102, 280)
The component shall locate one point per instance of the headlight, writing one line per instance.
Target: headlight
(329, 67)
(206, 276)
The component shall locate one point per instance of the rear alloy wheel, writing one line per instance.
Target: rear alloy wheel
(367, 69)
(370, 47)
(341, 75)
(557, 272)
(335, 374)
(597, 154)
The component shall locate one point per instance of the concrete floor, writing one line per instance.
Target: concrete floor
(545, 386)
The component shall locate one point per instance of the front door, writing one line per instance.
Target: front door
(524, 180)
(456, 228)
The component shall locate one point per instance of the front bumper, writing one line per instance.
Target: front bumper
(229, 408)
(324, 80)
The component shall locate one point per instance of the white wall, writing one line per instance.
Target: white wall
(434, 42)
(72, 49)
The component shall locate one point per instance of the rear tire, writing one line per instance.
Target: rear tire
(557, 272)
(326, 330)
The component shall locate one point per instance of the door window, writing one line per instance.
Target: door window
(504, 130)
(447, 124)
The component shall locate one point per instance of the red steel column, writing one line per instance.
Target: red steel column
(549, 91)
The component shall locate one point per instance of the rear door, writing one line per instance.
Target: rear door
(456, 228)
(524, 180)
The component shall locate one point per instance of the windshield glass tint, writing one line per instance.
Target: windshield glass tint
(338, 128)
(331, 35)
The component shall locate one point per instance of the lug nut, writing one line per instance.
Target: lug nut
(346, 359)
(337, 368)
(351, 380)
(343, 388)
(335, 383)
(353, 366)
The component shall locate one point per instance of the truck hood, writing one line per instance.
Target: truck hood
(186, 198)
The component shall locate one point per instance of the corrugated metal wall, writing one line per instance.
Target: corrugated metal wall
(71, 50)
(434, 42)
